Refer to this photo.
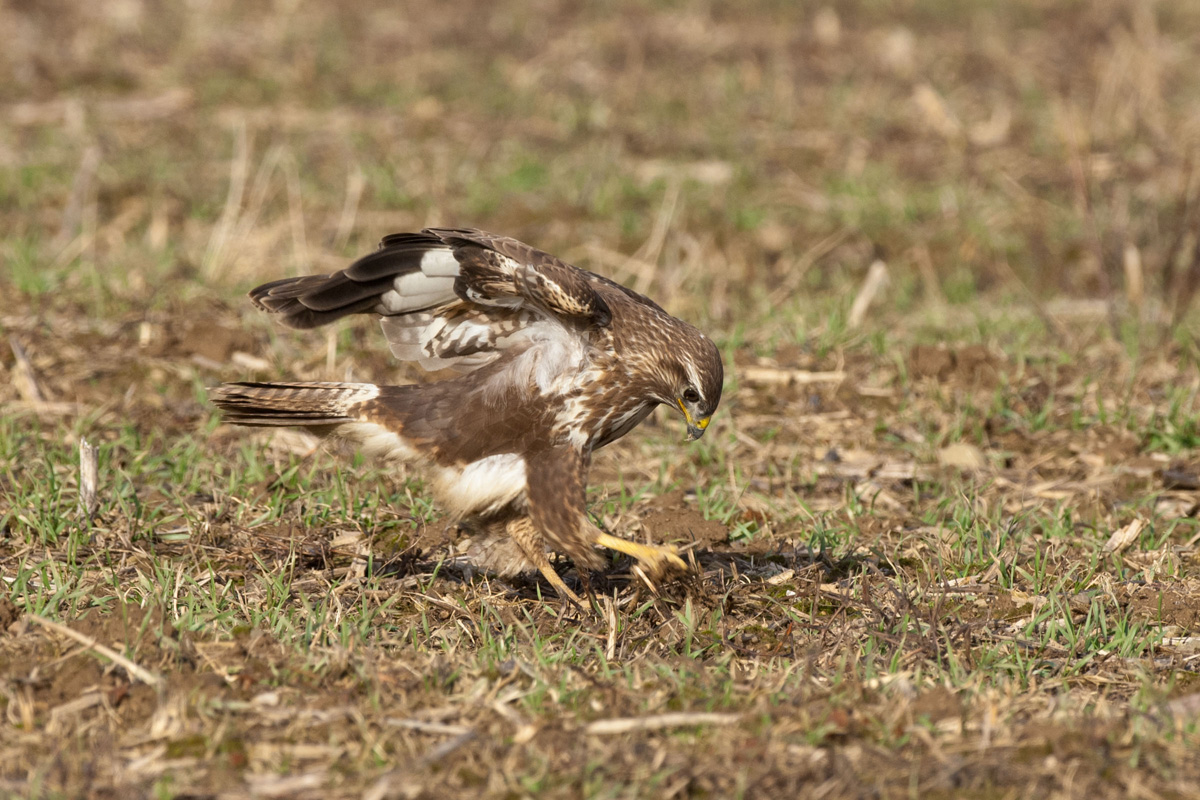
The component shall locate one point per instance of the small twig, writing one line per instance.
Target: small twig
(239, 169)
(798, 269)
(1135, 279)
(446, 748)
(1182, 214)
(395, 781)
(651, 250)
(81, 190)
(76, 706)
(25, 377)
(1189, 281)
(877, 279)
(934, 295)
(284, 785)
(610, 617)
(89, 477)
(606, 727)
(1049, 320)
(424, 726)
(291, 176)
(789, 377)
(355, 183)
(1123, 537)
(135, 671)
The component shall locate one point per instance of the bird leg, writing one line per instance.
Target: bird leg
(658, 561)
(526, 536)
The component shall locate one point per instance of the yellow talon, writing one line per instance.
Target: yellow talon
(657, 560)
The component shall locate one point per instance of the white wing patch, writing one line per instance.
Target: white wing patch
(430, 286)
(415, 292)
(437, 343)
(450, 339)
(439, 264)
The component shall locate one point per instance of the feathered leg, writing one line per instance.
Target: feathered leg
(527, 537)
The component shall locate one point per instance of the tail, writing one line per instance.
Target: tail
(299, 404)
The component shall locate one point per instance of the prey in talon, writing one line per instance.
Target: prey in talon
(553, 362)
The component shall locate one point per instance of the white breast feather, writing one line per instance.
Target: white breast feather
(377, 441)
(483, 486)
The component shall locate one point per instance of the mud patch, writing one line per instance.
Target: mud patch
(58, 671)
(1177, 605)
(207, 338)
(972, 364)
(671, 518)
(9, 613)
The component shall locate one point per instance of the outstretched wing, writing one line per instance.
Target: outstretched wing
(449, 297)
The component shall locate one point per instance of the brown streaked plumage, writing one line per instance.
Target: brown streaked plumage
(555, 361)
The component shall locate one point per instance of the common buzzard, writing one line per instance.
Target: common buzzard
(556, 363)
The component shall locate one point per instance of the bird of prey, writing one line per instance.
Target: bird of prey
(555, 363)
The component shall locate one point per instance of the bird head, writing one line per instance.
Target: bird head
(695, 380)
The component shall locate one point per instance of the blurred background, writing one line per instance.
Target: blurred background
(742, 163)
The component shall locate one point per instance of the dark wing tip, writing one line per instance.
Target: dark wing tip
(313, 300)
(426, 237)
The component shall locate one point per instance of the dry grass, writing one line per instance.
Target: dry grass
(944, 526)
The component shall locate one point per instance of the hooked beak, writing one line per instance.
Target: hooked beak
(695, 427)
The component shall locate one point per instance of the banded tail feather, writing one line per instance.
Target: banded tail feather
(299, 404)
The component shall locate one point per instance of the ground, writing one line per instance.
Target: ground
(942, 529)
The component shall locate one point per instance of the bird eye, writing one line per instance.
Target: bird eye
(690, 395)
